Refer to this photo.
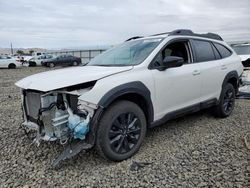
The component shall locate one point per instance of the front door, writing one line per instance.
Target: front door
(179, 87)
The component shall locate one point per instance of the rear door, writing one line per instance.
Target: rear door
(66, 60)
(70, 60)
(62, 60)
(226, 62)
(208, 59)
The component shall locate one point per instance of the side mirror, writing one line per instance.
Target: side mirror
(171, 62)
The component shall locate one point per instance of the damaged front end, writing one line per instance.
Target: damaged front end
(59, 116)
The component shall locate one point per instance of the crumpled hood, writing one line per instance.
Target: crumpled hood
(61, 78)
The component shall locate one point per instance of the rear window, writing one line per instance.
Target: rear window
(224, 52)
(204, 51)
(216, 53)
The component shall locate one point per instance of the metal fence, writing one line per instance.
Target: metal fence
(85, 55)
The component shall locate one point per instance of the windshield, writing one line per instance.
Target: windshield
(242, 50)
(128, 53)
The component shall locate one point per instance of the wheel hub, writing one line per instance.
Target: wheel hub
(124, 133)
(228, 101)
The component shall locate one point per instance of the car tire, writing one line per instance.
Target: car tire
(227, 101)
(32, 64)
(75, 63)
(12, 66)
(51, 65)
(121, 131)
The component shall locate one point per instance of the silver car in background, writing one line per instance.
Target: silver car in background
(38, 60)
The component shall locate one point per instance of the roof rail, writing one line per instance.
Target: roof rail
(184, 32)
(160, 34)
(133, 38)
(191, 33)
(137, 37)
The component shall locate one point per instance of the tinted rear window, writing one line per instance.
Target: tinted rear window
(204, 51)
(224, 52)
(216, 53)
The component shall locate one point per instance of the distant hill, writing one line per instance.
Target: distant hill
(5, 51)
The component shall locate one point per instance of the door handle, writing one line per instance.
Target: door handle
(223, 67)
(196, 72)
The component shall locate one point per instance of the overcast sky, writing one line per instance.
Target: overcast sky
(79, 23)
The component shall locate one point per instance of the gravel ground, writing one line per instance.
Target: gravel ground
(194, 151)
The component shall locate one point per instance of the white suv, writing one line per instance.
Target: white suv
(243, 50)
(112, 101)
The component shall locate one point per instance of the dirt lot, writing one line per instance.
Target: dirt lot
(194, 151)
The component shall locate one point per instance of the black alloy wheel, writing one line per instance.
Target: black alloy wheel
(124, 133)
(228, 101)
(121, 131)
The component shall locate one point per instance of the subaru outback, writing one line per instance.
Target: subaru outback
(111, 102)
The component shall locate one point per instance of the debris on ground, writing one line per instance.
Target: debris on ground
(246, 142)
(135, 166)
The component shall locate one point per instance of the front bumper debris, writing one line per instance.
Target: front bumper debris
(70, 151)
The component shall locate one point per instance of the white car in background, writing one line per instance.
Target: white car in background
(243, 50)
(38, 53)
(38, 60)
(9, 62)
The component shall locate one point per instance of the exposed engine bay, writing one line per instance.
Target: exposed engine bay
(57, 116)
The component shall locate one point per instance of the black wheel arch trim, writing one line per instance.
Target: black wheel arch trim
(232, 74)
(136, 87)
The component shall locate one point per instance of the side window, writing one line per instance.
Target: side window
(204, 51)
(224, 52)
(216, 53)
(167, 52)
(180, 49)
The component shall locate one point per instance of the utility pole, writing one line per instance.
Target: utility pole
(11, 48)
